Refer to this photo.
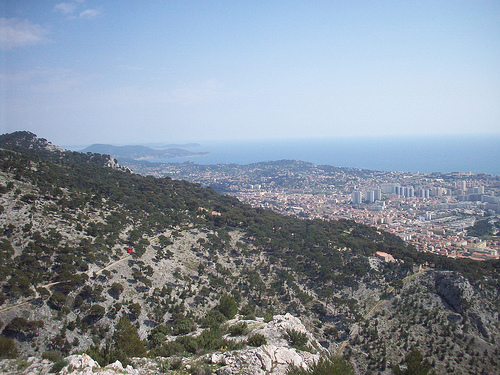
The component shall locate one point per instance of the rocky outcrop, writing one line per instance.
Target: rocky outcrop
(273, 358)
(459, 294)
(267, 359)
(455, 290)
(74, 365)
(113, 164)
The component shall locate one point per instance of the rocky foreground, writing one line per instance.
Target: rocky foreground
(272, 358)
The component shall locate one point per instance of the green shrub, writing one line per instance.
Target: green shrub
(164, 366)
(256, 339)
(115, 290)
(269, 315)
(22, 364)
(199, 369)
(415, 365)
(168, 349)
(135, 310)
(182, 325)
(22, 328)
(157, 335)
(228, 306)
(248, 311)
(213, 319)
(333, 365)
(298, 339)
(96, 313)
(58, 366)
(189, 343)
(57, 300)
(210, 339)
(176, 364)
(52, 355)
(239, 329)
(7, 348)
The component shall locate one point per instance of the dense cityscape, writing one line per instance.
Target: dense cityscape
(452, 214)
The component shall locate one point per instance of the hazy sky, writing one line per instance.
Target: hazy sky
(82, 72)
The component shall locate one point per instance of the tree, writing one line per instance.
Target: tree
(135, 310)
(127, 340)
(164, 241)
(228, 306)
(115, 290)
(57, 300)
(415, 365)
(96, 313)
(397, 285)
(22, 329)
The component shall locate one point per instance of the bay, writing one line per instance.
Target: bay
(457, 153)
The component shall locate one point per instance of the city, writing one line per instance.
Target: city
(452, 214)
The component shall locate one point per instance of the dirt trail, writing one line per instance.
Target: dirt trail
(59, 282)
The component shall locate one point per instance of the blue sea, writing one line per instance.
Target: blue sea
(471, 153)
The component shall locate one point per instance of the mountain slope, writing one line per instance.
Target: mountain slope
(199, 257)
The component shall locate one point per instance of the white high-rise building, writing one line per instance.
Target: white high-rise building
(370, 196)
(357, 197)
(478, 190)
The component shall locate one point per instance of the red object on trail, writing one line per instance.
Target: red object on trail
(130, 249)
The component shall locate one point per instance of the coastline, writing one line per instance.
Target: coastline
(465, 153)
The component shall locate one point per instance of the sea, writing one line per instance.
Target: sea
(424, 154)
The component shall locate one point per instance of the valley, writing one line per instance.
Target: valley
(213, 284)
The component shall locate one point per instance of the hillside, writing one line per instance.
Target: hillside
(200, 259)
(139, 152)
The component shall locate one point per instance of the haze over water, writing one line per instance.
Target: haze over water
(476, 154)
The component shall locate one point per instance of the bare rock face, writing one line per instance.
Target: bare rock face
(79, 364)
(273, 358)
(275, 330)
(113, 164)
(267, 359)
(83, 365)
(455, 290)
(33, 366)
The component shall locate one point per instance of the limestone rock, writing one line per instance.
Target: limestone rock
(459, 294)
(454, 289)
(117, 366)
(273, 358)
(79, 364)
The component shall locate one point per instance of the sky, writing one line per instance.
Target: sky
(129, 72)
